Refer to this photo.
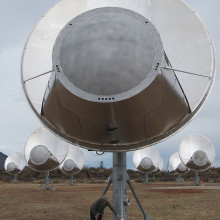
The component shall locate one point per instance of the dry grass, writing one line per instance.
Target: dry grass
(24, 201)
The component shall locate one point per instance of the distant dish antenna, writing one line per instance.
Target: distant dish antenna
(158, 169)
(45, 152)
(178, 166)
(146, 160)
(74, 162)
(122, 89)
(197, 153)
(14, 164)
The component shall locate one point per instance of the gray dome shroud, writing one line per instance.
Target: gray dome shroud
(107, 52)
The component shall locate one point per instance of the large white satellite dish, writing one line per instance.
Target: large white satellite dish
(73, 163)
(147, 159)
(176, 164)
(44, 151)
(127, 95)
(118, 75)
(14, 164)
(197, 153)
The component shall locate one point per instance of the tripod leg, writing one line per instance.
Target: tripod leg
(138, 201)
(107, 186)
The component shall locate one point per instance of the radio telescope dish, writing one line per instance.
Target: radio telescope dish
(176, 164)
(118, 75)
(197, 152)
(128, 87)
(44, 151)
(14, 164)
(74, 162)
(147, 159)
(159, 167)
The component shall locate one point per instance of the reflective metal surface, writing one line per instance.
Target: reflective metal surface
(114, 64)
(147, 159)
(197, 152)
(44, 151)
(42, 159)
(74, 161)
(176, 164)
(159, 167)
(14, 163)
(97, 104)
(145, 164)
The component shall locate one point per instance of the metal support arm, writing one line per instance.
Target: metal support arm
(138, 201)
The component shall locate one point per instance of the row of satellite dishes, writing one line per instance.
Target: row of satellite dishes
(196, 153)
(44, 152)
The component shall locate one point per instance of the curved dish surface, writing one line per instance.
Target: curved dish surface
(100, 115)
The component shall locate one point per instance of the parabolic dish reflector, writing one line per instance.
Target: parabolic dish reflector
(74, 161)
(147, 159)
(44, 151)
(197, 152)
(159, 167)
(176, 164)
(118, 75)
(15, 163)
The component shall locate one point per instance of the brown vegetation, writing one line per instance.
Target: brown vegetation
(100, 174)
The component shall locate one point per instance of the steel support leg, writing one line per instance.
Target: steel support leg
(119, 177)
(47, 181)
(15, 179)
(107, 186)
(179, 177)
(197, 178)
(138, 201)
(154, 177)
(146, 178)
(71, 180)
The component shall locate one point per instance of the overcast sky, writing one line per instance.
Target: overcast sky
(17, 121)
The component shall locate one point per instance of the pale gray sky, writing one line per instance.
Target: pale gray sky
(17, 121)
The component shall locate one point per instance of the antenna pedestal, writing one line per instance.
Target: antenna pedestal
(47, 182)
(179, 178)
(120, 179)
(146, 178)
(154, 177)
(197, 178)
(71, 180)
(15, 179)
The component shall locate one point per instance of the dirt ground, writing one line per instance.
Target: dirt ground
(161, 201)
